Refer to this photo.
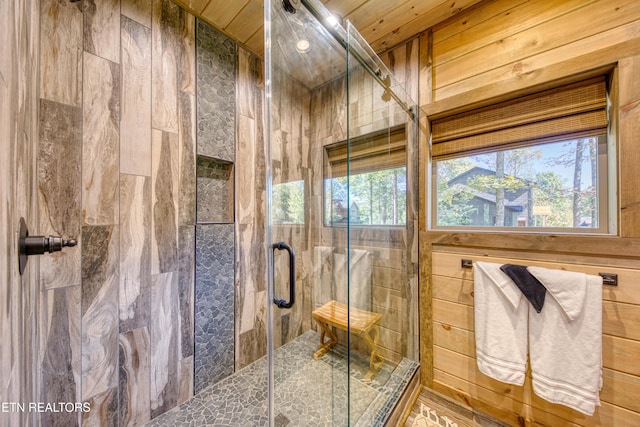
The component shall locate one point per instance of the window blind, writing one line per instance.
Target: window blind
(377, 151)
(572, 111)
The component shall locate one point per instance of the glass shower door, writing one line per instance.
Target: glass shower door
(340, 223)
(300, 57)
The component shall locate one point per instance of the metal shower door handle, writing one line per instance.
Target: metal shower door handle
(292, 276)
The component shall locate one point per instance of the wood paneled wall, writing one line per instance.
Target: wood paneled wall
(495, 51)
(455, 369)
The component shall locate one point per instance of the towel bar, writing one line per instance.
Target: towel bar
(466, 263)
(609, 279)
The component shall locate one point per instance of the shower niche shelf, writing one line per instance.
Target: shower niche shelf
(215, 191)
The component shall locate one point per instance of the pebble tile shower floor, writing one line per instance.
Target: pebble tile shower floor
(308, 392)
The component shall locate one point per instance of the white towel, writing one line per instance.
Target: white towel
(333, 281)
(500, 324)
(322, 276)
(565, 340)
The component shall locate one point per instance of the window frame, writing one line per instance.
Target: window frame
(603, 199)
(390, 131)
(606, 185)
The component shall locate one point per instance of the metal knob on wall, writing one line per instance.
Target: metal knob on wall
(37, 245)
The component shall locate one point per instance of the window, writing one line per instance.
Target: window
(374, 191)
(287, 205)
(536, 163)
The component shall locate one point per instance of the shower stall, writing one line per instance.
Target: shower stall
(342, 211)
(306, 254)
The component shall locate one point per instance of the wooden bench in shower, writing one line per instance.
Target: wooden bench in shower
(362, 323)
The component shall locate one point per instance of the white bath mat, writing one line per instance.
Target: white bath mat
(428, 418)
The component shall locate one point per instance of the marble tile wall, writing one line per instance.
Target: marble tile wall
(100, 140)
(135, 123)
(135, 252)
(116, 170)
(60, 359)
(99, 324)
(101, 28)
(60, 150)
(61, 43)
(19, 49)
(164, 342)
(251, 268)
(59, 185)
(134, 377)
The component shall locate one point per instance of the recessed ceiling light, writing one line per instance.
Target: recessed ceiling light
(333, 21)
(303, 46)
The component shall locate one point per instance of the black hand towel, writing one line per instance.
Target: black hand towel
(528, 284)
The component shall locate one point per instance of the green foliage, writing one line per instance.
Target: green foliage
(489, 183)
(549, 192)
(518, 172)
(288, 203)
(517, 162)
(582, 199)
(449, 169)
(371, 198)
(454, 207)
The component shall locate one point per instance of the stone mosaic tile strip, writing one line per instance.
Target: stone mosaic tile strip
(216, 92)
(214, 181)
(214, 308)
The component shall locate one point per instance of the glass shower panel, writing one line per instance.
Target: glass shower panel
(341, 214)
(303, 64)
(383, 268)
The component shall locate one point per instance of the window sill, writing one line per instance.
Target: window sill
(598, 245)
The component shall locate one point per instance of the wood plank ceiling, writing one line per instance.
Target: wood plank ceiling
(383, 23)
